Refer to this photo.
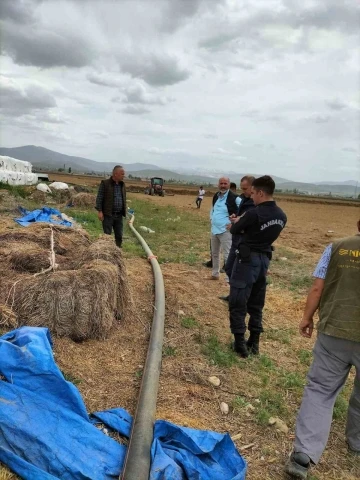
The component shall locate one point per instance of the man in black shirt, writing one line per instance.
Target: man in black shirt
(259, 228)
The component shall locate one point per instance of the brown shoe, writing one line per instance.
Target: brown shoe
(214, 278)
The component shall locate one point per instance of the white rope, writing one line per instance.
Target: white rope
(53, 264)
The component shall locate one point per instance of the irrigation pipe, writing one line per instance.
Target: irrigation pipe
(137, 461)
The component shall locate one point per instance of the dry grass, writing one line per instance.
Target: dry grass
(6, 474)
(40, 197)
(83, 199)
(84, 298)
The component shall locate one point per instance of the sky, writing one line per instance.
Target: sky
(249, 86)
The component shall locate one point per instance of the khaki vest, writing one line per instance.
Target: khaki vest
(339, 311)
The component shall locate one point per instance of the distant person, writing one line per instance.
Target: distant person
(259, 228)
(233, 187)
(225, 203)
(336, 292)
(200, 196)
(245, 205)
(111, 204)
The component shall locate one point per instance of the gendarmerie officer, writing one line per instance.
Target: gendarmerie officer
(245, 205)
(259, 228)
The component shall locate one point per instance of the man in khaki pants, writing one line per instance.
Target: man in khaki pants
(336, 291)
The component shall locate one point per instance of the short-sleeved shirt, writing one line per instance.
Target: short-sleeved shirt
(322, 266)
(201, 194)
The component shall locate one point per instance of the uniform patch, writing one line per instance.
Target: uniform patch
(276, 221)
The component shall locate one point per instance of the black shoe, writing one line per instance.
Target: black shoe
(239, 346)
(253, 343)
(208, 264)
(225, 298)
(298, 465)
(354, 453)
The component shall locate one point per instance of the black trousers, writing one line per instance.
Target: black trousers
(230, 260)
(247, 293)
(198, 202)
(114, 222)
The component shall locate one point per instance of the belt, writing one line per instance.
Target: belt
(259, 254)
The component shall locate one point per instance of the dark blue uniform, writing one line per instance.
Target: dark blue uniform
(259, 228)
(245, 205)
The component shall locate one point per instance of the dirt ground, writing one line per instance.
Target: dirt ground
(310, 227)
(108, 373)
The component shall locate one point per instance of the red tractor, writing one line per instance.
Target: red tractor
(156, 187)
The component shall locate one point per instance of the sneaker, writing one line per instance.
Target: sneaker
(222, 270)
(208, 264)
(213, 277)
(298, 465)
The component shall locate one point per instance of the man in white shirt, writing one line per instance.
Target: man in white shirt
(200, 196)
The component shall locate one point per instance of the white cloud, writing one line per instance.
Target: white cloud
(186, 78)
(134, 110)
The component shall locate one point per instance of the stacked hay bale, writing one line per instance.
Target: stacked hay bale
(83, 199)
(83, 298)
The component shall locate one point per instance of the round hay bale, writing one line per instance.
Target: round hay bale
(39, 196)
(106, 250)
(81, 188)
(31, 260)
(65, 238)
(84, 199)
(61, 196)
(79, 304)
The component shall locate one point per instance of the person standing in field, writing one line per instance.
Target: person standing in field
(224, 204)
(245, 205)
(200, 196)
(336, 292)
(258, 228)
(111, 204)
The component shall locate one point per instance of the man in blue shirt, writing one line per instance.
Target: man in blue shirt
(225, 203)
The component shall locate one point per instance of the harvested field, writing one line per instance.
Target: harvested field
(309, 229)
(138, 186)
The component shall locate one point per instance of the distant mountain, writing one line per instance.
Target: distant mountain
(49, 160)
(170, 175)
(216, 174)
(354, 183)
(323, 189)
(43, 158)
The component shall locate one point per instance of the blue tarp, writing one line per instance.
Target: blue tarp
(44, 214)
(46, 433)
